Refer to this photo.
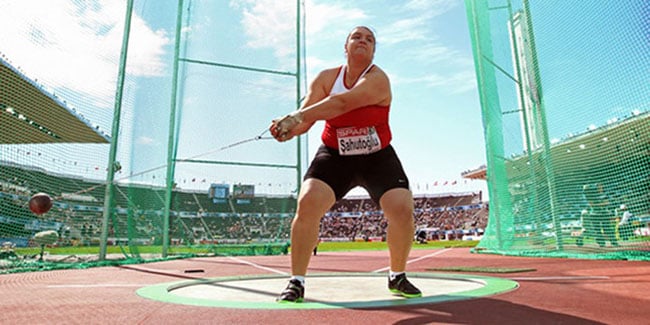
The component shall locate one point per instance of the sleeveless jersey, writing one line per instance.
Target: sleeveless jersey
(361, 131)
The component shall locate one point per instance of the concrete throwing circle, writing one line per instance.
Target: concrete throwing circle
(324, 291)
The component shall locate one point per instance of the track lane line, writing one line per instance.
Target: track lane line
(414, 260)
(257, 266)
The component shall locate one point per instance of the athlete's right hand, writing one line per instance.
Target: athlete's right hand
(281, 128)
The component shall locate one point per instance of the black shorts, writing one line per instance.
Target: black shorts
(377, 172)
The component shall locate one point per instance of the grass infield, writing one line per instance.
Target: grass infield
(207, 249)
(365, 246)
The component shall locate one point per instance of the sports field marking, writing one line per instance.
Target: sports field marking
(368, 290)
(238, 260)
(106, 285)
(415, 259)
(545, 278)
(480, 269)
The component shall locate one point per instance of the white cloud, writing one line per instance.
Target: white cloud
(330, 19)
(146, 50)
(411, 35)
(77, 45)
(144, 140)
(434, 53)
(414, 19)
(432, 8)
(456, 82)
(270, 24)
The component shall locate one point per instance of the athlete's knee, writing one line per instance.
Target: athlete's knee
(312, 202)
(316, 198)
(398, 203)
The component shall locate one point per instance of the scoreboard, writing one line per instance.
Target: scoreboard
(241, 191)
(219, 193)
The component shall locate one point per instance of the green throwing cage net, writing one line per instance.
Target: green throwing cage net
(565, 96)
(146, 125)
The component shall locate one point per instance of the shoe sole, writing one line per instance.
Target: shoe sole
(406, 295)
(299, 300)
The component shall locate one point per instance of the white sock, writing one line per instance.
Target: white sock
(300, 278)
(392, 275)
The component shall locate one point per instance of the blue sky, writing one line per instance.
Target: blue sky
(424, 47)
(72, 48)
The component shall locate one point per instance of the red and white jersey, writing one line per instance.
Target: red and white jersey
(361, 131)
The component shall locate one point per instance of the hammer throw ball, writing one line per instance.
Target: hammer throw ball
(40, 203)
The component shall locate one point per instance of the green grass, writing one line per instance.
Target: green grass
(322, 247)
(93, 250)
(369, 246)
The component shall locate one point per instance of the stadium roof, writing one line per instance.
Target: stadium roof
(28, 114)
(478, 173)
(564, 151)
(602, 148)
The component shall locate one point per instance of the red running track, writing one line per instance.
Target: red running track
(558, 291)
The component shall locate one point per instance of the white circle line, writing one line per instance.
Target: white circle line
(543, 278)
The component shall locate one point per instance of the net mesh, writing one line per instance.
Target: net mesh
(565, 100)
(145, 124)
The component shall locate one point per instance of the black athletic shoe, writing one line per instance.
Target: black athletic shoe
(401, 285)
(294, 292)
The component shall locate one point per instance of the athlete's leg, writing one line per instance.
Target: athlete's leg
(397, 205)
(316, 197)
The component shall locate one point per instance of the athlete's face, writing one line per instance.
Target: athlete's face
(361, 41)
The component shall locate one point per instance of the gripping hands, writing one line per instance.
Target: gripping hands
(281, 128)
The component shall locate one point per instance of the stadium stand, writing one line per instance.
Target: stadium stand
(198, 219)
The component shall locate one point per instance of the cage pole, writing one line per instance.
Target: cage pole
(171, 143)
(110, 175)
